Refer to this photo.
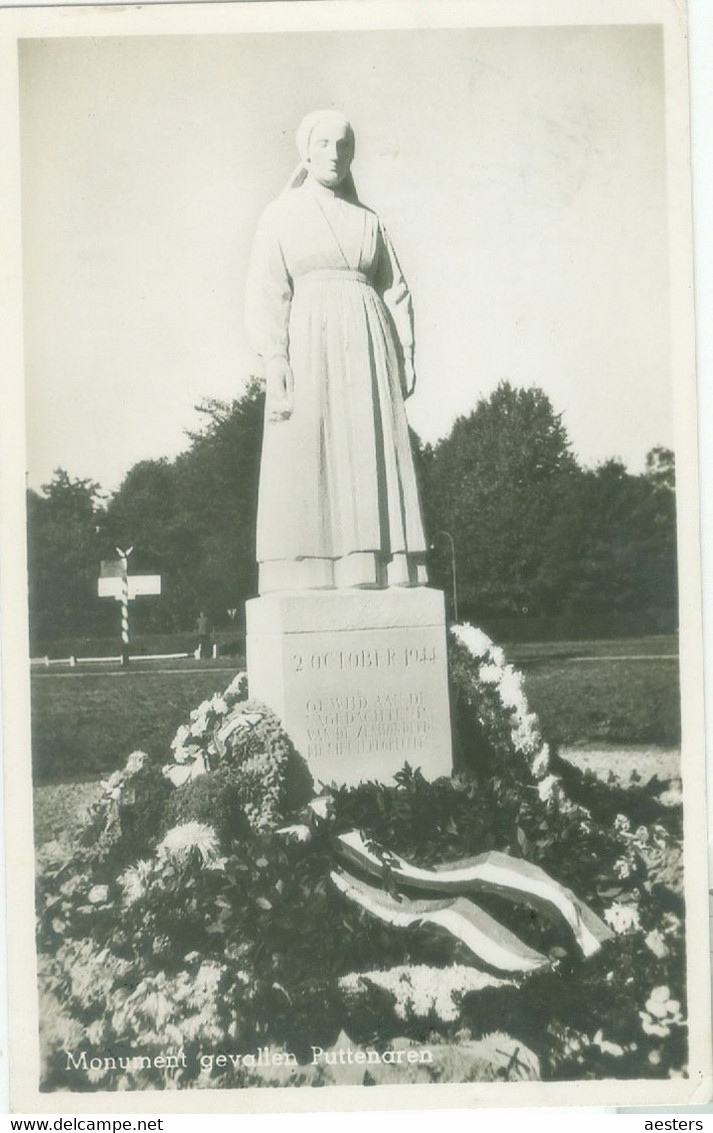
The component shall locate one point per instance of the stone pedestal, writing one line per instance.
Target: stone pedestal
(357, 677)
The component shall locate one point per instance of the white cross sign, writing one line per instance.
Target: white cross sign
(138, 584)
(116, 582)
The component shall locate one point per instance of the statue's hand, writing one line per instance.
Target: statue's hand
(280, 389)
(409, 376)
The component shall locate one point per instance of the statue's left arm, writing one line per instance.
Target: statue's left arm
(392, 287)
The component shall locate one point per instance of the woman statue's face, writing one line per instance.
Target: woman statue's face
(330, 153)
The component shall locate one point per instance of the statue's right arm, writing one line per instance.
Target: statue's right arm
(267, 313)
(268, 293)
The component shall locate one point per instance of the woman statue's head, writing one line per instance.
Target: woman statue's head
(325, 141)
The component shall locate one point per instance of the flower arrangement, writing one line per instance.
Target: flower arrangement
(244, 740)
(497, 694)
(195, 744)
(421, 992)
(197, 912)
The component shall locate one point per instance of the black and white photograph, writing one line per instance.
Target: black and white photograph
(351, 586)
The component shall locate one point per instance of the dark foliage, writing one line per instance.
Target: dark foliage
(536, 536)
(213, 799)
(279, 936)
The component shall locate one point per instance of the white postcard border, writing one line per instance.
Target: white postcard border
(343, 14)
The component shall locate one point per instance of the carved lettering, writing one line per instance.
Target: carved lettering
(364, 658)
(355, 723)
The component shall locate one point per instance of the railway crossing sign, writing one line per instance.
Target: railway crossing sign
(116, 582)
(138, 584)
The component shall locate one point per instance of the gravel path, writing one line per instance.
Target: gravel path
(663, 763)
(59, 809)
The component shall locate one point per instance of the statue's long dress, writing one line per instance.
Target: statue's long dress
(338, 503)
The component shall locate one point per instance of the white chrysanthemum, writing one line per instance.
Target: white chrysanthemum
(113, 785)
(656, 943)
(494, 670)
(135, 762)
(622, 869)
(622, 825)
(416, 993)
(670, 924)
(491, 674)
(549, 788)
(622, 918)
(661, 1004)
(238, 687)
(526, 734)
(188, 836)
(641, 837)
(474, 639)
(660, 836)
(207, 978)
(134, 881)
(607, 1047)
(186, 754)
(180, 737)
(541, 762)
(510, 690)
(660, 1013)
(218, 704)
(98, 894)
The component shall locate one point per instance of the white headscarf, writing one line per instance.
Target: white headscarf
(305, 130)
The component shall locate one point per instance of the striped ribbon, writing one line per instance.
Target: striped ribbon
(493, 872)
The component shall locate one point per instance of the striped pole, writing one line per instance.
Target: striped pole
(124, 555)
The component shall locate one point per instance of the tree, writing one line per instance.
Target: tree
(503, 484)
(662, 565)
(661, 469)
(627, 553)
(63, 557)
(193, 519)
(218, 479)
(146, 513)
(534, 533)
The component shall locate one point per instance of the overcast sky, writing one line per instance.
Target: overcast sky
(521, 173)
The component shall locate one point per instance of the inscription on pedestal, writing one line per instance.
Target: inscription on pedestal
(357, 723)
(359, 702)
(375, 658)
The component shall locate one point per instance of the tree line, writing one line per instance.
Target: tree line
(535, 533)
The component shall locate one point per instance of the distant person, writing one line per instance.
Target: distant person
(204, 631)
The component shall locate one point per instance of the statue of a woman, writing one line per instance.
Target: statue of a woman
(329, 312)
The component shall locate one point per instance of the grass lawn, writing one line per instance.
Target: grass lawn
(543, 651)
(623, 702)
(85, 723)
